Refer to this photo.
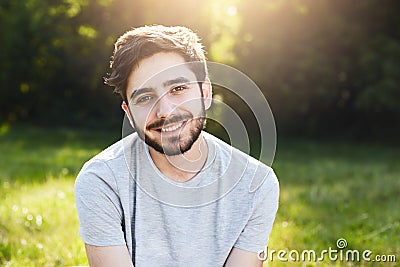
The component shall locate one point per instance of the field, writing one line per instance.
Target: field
(329, 190)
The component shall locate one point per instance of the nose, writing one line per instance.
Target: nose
(164, 107)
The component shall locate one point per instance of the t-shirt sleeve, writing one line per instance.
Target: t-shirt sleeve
(254, 236)
(98, 205)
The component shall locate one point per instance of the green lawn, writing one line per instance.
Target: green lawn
(38, 220)
(332, 190)
(329, 190)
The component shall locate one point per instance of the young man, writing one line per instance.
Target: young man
(171, 194)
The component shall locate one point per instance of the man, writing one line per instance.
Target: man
(171, 194)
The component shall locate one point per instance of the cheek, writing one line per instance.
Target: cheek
(142, 117)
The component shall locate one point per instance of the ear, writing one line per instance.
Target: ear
(125, 108)
(206, 87)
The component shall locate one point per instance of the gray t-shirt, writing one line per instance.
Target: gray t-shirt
(123, 199)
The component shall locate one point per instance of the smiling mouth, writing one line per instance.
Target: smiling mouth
(170, 128)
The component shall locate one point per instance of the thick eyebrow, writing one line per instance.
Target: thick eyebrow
(141, 91)
(174, 81)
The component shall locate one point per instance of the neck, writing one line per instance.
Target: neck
(183, 167)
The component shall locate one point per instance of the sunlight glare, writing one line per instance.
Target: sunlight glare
(231, 10)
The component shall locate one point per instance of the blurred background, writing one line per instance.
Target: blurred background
(326, 67)
(329, 69)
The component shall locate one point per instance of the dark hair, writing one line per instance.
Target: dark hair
(143, 42)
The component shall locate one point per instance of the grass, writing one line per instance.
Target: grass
(329, 190)
(332, 190)
(38, 220)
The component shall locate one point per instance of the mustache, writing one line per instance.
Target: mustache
(162, 122)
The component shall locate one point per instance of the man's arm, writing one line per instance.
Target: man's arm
(242, 258)
(108, 256)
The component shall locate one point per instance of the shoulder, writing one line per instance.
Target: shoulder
(112, 155)
(108, 164)
(117, 150)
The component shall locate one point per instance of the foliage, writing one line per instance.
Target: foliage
(54, 63)
(323, 65)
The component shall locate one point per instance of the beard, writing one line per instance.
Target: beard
(179, 144)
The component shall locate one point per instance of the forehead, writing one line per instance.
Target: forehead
(158, 68)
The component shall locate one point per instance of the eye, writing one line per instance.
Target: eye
(179, 88)
(143, 99)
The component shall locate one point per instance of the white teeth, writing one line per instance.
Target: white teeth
(172, 128)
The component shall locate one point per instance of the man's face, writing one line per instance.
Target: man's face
(166, 103)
